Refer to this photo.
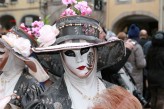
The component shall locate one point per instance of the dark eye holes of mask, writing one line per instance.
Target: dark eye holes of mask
(2, 50)
(71, 53)
(1, 53)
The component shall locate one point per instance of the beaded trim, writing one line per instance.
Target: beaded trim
(80, 24)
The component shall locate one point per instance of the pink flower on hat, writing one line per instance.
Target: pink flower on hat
(66, 2)
(68, 12)
(76, 8)
(36, 26)
(83, 8)
(22, 26)
(45, 35)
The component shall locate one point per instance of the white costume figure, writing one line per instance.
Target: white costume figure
(81, 48)
(12, 70)
(16, 84)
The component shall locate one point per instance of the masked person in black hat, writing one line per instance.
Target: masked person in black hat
(155, 67)
(81, 45)
(17, 86)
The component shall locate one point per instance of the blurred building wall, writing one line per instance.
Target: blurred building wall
(19, 10)
(161, 16)
(121, 13)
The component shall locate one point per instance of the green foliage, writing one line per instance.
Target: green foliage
(46, 19)
(79, 0)
(77, 11)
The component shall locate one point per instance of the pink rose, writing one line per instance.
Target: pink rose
(83, 8)
(68, 12)
(66, 2)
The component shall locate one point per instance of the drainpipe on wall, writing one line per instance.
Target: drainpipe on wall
(161, 16)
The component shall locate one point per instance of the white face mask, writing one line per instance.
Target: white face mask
(4, 53)
(80, 62)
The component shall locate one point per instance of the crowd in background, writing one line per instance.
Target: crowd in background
(147, 64)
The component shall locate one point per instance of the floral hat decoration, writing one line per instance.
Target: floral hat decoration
(21, 39)
(75, 23)
(76, 7)
(44, 35)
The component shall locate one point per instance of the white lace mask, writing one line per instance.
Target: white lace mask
(4, 54)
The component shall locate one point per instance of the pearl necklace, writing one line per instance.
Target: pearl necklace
(87, 97)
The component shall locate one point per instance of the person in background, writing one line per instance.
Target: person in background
(122, 35)
(144, 42)
(146, 47)
(1, 29)
(137, 57)
(143, 37)
(155, 68)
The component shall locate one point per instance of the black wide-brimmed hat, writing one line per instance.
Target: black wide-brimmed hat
(77, 32)
(74, 30)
